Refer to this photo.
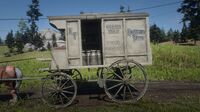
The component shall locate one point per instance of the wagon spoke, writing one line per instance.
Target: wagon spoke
(69, 92)
(119, 68)
(73, 71)
(124, 93)
(52, 94)
(118, 91)
(114, 86)
(115, 74)
(64, 83)
(68, 87)
(112, 76)
(130, 92)
(135, 88)
(60, 81)
(52, 98)
(75, 75)
(51, 88)
(65, 96)
(61, 99)
(114, 80)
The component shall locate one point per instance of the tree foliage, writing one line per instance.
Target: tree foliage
(176, 36)
(22, 26)
(155, 34)
(184, 33)
(1, 41)
(158, 35)
(19, 42)
(191, 11)
(170, 34)
(34, 14)
(10, 41)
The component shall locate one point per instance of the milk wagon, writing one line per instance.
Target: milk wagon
(117, 44)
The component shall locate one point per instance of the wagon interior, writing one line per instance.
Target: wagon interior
(91, 42)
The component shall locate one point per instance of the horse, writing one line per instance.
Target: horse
(10, 72)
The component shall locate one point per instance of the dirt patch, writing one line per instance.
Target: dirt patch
(170, 91)
(89, 94)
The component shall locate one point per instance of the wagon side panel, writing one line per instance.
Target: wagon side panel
(113, 43)
(59, 58)
(73, 43)
(137, 38)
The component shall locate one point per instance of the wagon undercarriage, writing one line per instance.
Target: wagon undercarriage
(125, 81)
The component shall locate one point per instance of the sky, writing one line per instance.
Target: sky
(165, 17)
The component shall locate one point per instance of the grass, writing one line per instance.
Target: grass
(174, 62)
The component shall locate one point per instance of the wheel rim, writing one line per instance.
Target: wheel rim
(59, 90)
(125, 81)
(76, 75)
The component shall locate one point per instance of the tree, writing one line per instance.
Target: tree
(184, 33)
(163, 35)
(34, 14)
(170, 34)
(10, 41)
(19, 42)
(22, 26)
(176, 36)
(155, 34)
(1, 42)
(38, 42)
(54, 43)
(27, 36)
(191, 11)
(122, 9)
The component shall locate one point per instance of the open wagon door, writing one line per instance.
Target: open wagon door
(73, 43)
(70, 55)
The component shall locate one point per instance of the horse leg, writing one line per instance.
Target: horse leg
(14, 95)
(13, 92)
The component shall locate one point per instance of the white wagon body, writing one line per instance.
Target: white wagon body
(97, 40)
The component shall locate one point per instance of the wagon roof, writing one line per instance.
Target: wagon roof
(98, 16)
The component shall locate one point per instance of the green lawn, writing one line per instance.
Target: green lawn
(174, 62)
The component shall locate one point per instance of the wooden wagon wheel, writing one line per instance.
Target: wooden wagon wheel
(59, 90)
(75, 74)
(125, 81)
